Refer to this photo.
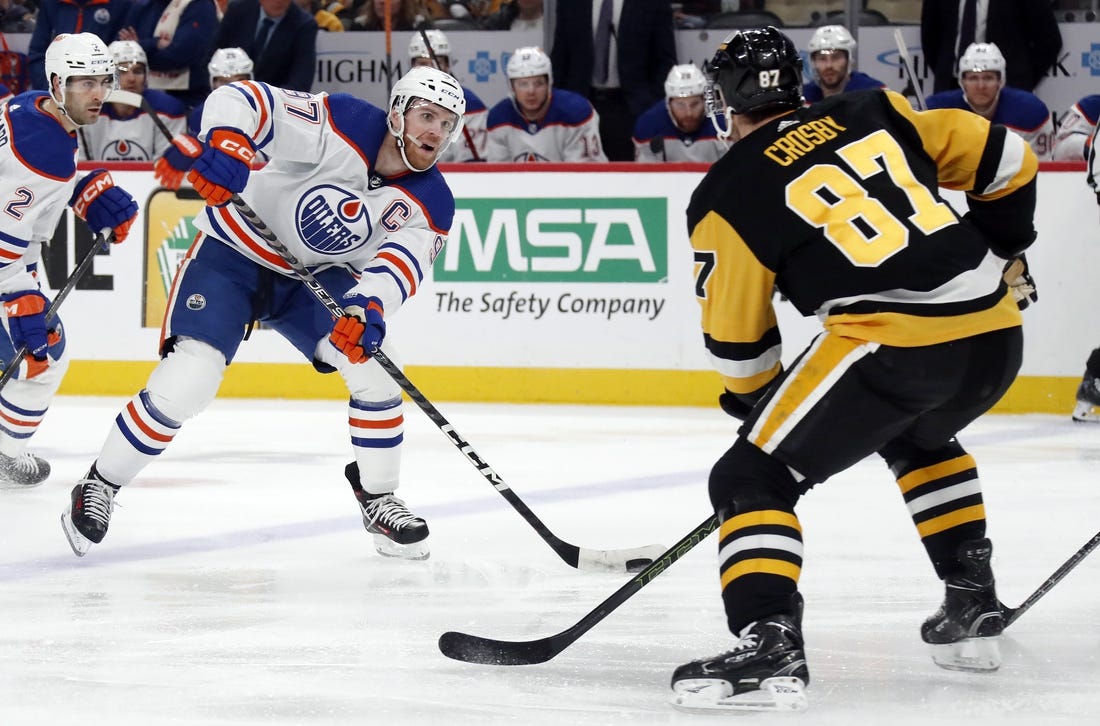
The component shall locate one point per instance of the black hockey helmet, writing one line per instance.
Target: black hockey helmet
(754, 69)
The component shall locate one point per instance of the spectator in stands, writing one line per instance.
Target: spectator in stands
(1026, 31)
(677, 128)
(279, 37)
(516, 15)
(982, 75)
(833, 60)
(623, 71)
(125, 132)
(471, 147)
(325, 18)
(404, 15)
(537, 122)
(1073, 140)
(175, 36)
(101, 17)
(15, 17)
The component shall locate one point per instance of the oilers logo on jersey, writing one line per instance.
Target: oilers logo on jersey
(332, 220)
(125, 150)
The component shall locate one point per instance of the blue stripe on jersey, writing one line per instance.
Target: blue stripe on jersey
(271, 121)
(134, 440)
(473, 103)
(380, 406)
(13, 241)
(396, 278)
(407, 256)
(39, 139)
(21, 411)
(248, 96)
(362, 124)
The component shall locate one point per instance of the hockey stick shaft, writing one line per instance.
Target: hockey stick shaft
(487, 651)
(1013, 614)
(907, 66)
(102, 240)
(630, 560)
(435, 62)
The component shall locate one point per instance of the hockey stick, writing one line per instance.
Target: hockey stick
(102, 241)
(435, 62)
(910, 72)
(624, 560)
(487, 651)
(1011, 615)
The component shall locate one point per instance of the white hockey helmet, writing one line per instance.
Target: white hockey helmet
(439, 43)
(126, 52)
(432, 85)
(528, 62)
(684, 81)
(78, 54)
(982, 57)
(833, 37)
(229, 62)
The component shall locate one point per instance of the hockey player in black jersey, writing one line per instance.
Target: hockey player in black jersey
(843, 216)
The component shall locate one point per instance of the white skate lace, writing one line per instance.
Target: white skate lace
(392, 512)
(98, 501)
(26, 462)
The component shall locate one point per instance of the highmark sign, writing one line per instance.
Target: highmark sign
(539, 258)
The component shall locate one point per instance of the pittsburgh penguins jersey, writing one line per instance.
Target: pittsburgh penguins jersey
(1075, 130)
(857, 81)
(657, 138)
(319, 192)
(837, 206)
(1019, 110)
(570, 131)
(471, 145)
(37, 177)
(133, 137)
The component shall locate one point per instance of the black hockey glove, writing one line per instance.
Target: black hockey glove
(1020, 282)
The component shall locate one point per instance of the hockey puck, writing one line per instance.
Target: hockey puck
(638, 565)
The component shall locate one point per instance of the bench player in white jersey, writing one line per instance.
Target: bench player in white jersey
(38, 179)
(983, 91)
(227, 65)
(471, 147)
(352, 191)
(126, 133)
(833, 60)
(539, 122)
(677, 128)
(1072, 140)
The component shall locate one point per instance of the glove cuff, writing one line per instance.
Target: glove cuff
(232, 142)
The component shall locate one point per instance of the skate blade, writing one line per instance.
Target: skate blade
(1086, 413)
(388, 548)
(781, 693)
(77, 541)
(975, 655)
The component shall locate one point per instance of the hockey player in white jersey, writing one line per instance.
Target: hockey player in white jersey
(677, 128)
(983, 91)
(1072, 140)
(38, 179)
(833, 61)
(539, 122)
(352, 192)
(471, 147)
(227, 65)
(126, 133)
(1087, 406)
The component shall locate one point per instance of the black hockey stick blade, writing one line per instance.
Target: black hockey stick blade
(1011, 615)
(488, 651)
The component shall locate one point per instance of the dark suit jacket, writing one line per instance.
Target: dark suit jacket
(289, 59)
(646, 49)
(1026, 31)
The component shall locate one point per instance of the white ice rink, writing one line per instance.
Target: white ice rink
(237, 586)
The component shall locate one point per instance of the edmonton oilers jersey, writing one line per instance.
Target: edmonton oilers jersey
(319, 192)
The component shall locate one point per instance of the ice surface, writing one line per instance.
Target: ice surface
(237, 586)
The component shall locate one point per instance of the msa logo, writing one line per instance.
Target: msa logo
(556, 240)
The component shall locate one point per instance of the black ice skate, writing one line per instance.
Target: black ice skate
(397, 531)
(1087, 409)
(964, 632)
(22, 471)
(765, 671)
(88, 515)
